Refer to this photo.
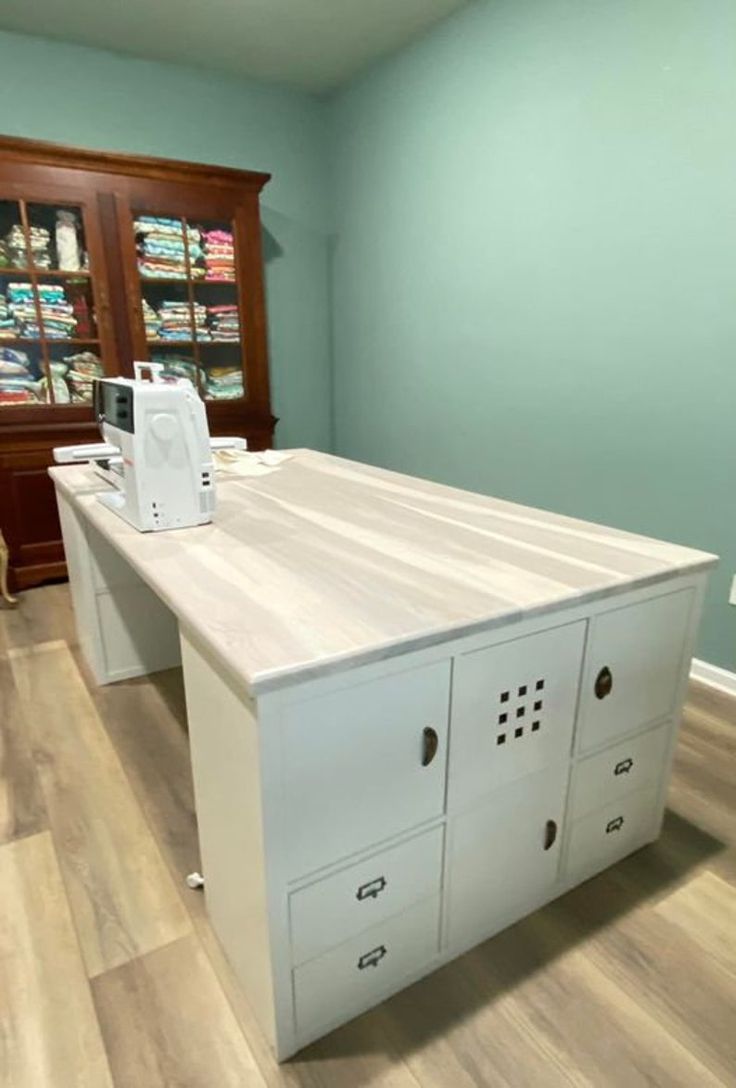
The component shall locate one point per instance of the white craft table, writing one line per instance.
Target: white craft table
(415, 713)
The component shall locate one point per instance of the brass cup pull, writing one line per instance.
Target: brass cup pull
(603, 683)
(430, 744)
(550, 834)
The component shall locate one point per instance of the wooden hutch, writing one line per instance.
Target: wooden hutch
(107, 258)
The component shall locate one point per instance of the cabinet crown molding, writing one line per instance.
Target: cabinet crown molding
(46, 153)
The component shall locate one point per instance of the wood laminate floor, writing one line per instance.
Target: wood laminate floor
(110, 974)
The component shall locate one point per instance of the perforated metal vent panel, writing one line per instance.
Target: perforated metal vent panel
(513, 710)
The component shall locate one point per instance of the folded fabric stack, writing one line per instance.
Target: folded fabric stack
(150, 320)
(57, 314)
(7, 321)
(175, 321)
(22, 381)
(177, 366)
(62, 394)
(224, 383)
(17, 383)
(82, 368)
(219, 255)
(18, 251)
(22, 308)
(224, 322)
(161, 248)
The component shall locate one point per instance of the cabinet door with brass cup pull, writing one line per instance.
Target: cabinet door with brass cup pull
(364, 764)
(504, 854)
(632, 662)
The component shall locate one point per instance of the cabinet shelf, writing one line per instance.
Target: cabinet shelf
(190, 343)
(169, 280)
(42, 273)
(49, 341)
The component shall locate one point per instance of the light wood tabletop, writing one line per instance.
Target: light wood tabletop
(325, 564)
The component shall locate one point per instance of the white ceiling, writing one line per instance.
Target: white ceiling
(312, 44)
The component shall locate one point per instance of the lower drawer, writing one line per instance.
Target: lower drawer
(360, 972)
(332, 910)
(611, 832)
(623, 769)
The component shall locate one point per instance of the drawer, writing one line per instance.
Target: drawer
(365, 969)
(611, 832)
(633, 667)
(513, 710)
(504, 855)
(619, 770)
(359, 765)
(342, 905)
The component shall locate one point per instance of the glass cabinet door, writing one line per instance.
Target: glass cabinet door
(51, 344)
(190, 301)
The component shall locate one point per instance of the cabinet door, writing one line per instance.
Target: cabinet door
(633, 667)
(55, 318)
(192, 264)
(56, 336)
(363, 764)
(513, 710)
(503, 856)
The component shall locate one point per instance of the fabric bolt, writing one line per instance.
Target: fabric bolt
(56, 312)
(224, 383)
(219, 255)
(224, 322)
(176, 367)
(82, 368)
(17, 247)
(151, 320)
(174, 320)
(68, 253)
(163, 248)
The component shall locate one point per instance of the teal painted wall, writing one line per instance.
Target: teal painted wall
(75, 95)
(535, 266)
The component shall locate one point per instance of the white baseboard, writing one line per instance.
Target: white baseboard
(713, 676)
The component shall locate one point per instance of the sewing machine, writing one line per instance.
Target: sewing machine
(157, 452)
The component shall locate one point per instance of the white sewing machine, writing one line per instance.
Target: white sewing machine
(157, 451)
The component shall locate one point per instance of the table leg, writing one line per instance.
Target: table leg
(4, 593)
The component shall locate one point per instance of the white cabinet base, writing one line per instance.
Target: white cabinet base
(360, 829)
(123, 628)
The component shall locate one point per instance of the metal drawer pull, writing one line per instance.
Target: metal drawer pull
(614, 825)
(603, 683)
(624, 766)
(550, 834)
(372, 958)
(372, 889)
(430, 744)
